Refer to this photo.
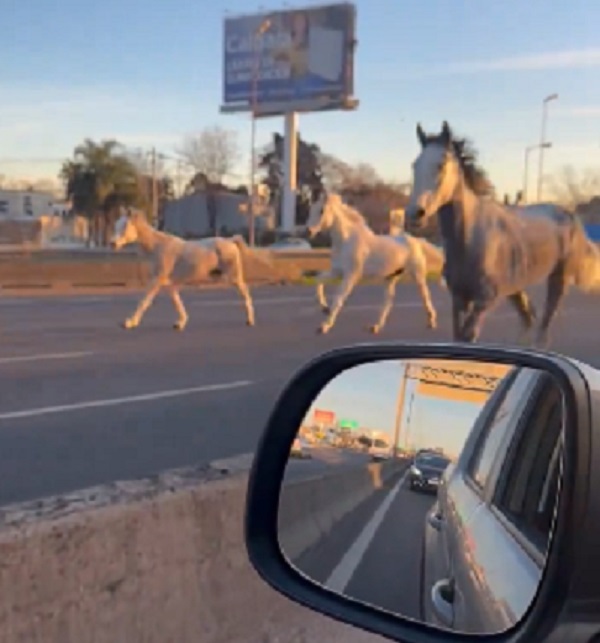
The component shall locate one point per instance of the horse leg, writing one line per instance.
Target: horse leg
(136, 318)
(182, 320)
(557, 288)
(244, 291)
(527, 314)
(321, 299)
(346, 287)
(474, 321)
(426, 297)
(388, 302)
(457, 313)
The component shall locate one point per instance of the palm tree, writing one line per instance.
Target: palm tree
(99, 178)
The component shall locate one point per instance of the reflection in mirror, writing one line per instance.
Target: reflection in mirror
(384, 496)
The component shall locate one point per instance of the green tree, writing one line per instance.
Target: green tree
(98, 179)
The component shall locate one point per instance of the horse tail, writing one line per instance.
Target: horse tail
(251, 255)
(587, 259)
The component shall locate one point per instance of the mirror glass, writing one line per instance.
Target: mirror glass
(428, 489)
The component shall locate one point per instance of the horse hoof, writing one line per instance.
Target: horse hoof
(374, 330)
(178, 327)
(249, 323)
(127, 325)
(322, 330)
(325, 310)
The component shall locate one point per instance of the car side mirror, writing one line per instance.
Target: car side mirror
(432, 492)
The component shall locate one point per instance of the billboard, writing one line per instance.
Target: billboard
(293, 59)
(348, 424)
(323, 417)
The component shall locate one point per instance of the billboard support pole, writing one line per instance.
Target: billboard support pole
(290, 166)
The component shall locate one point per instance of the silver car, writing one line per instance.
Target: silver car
(487, 535)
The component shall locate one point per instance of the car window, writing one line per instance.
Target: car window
(530, 477)
(432, 460)
(503, 419)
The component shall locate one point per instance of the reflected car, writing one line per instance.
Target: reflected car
(426, 471)
(486, 536)
(380, 450)
(300, 449)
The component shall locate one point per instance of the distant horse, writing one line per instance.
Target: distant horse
(177, 262)
(494, 251)
(358, 252)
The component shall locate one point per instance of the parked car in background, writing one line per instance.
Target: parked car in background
(290, 244)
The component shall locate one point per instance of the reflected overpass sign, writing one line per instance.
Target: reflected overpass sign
(457, 380)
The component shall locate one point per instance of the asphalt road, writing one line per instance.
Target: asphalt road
(84, 402)
(373, 554)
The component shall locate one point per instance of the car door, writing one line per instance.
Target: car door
(437, 543)
(498, 565)
(459, 597)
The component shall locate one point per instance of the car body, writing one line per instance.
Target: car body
(300, 448)
(426, 471)
(291, 244)
(475, 541)
(380, 450)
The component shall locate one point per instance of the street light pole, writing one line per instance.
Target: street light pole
(262, 28)
(542, 146)
(529, 149)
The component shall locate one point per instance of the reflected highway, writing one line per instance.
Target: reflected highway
(374, 553)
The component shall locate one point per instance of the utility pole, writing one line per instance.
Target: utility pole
(400, 408)
(545, 102)
(154, 186)
(264, 26)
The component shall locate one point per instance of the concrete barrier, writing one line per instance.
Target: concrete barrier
(310, 508)
(73, 268)
(159, 560)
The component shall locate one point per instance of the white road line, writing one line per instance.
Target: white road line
(342, 574)
(43, 357)
(147, 397)
(402, 304)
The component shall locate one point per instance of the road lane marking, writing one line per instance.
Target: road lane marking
(132, 399)
(343, 573)
(13, 359)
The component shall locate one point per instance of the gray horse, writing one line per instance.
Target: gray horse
(494, 251)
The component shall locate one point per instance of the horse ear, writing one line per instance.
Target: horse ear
(446, 134)
(421, 135)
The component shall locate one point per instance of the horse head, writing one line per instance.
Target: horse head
(322, 212)
(126, 228)
(436, 174)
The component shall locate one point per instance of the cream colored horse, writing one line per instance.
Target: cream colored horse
(358, 252)
(177, 262)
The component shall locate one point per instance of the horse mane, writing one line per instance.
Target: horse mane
(475, 176)
(351, 212)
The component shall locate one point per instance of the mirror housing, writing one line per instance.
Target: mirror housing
(568, 602)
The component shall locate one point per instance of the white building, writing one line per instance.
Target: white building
(16, 204)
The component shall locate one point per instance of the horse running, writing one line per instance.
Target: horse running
(358, 252)
(177, 262)
(493, 251)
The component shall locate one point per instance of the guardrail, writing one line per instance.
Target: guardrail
(80, 267)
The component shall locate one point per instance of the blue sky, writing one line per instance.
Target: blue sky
(368, 394)
(150, 72)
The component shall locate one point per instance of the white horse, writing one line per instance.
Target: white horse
(358, 252)
(176, 262)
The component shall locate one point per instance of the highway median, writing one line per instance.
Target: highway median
(155, 560)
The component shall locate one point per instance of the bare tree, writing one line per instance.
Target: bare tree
(213, 152)
(572, 189)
